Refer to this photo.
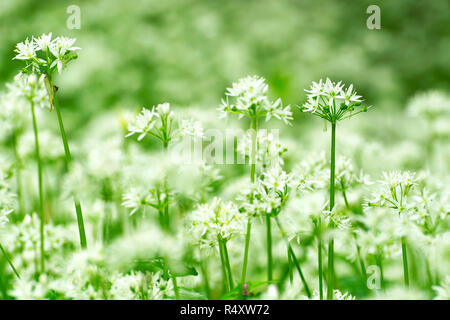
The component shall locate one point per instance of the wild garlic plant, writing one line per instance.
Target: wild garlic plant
(394, 194)
(214, 224)
(32, 89)
(333, 103)
(270, 195)
(43, 56)
(249, 98)
(159, 122)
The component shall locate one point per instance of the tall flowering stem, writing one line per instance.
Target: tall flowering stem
(45, 56)
(249, 98)
(331, 102)
(330, 286)
(254, 127)
(396, 188)
(68, 159)
(159, 123)
(41, 188)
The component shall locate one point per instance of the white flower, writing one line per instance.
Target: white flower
(249, 98)
(269, 151)
(31, 88)
(431, 105)
(144, 123)
(43, 42)
(330, 101)
(191, 128)
(44, 55)
(214, 221)
(25, 50)
(163, 108)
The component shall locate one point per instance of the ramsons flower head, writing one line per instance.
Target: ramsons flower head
(395, 190)
(271, 191)
(216, 220)
(159, 123)
(31, 88)
(269, 148)
(332, 101)
(44, 55)
(249, 98)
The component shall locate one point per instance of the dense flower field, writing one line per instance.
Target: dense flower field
(334, 192)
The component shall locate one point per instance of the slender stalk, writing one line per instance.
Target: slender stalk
(294, 258)
(319, 257)
(291, 274)
(254, 126)
(166, 191)
(227, 262)
(361, 264)
(269, 248)
(247, 244)
(204, 270)
(405, 262)
(330, 287)
(175, 285)
(9, 261)
(40, 186)
(68, 158)
(224, 270)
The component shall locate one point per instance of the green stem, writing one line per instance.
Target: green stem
(254, 126)
(166, 191)
(331, 275)
(361, 263)
(204, 270)
(330, 286)
(40, 186)
(405, 262)
(294, 258)
(68, 158)
(269, 248)
(224, 271)
(247, 244)
(175, 285)
(228, 265)
(9, 261)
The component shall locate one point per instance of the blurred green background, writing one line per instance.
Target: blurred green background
(187, 52)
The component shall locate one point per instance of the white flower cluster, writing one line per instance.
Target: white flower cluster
(431, 105)
(346, 176)
(44, 55)
(249, 98)
(216, 220)
(158, 123)
(141, 286)
(332, 102)
(269, 148)
(271, 191)
(396, 187)
(136, 198)
(30, 88)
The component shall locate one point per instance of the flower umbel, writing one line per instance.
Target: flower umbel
(332, 102)
(249, 98)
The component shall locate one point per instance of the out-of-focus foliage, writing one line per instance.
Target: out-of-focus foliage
(143, 53)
